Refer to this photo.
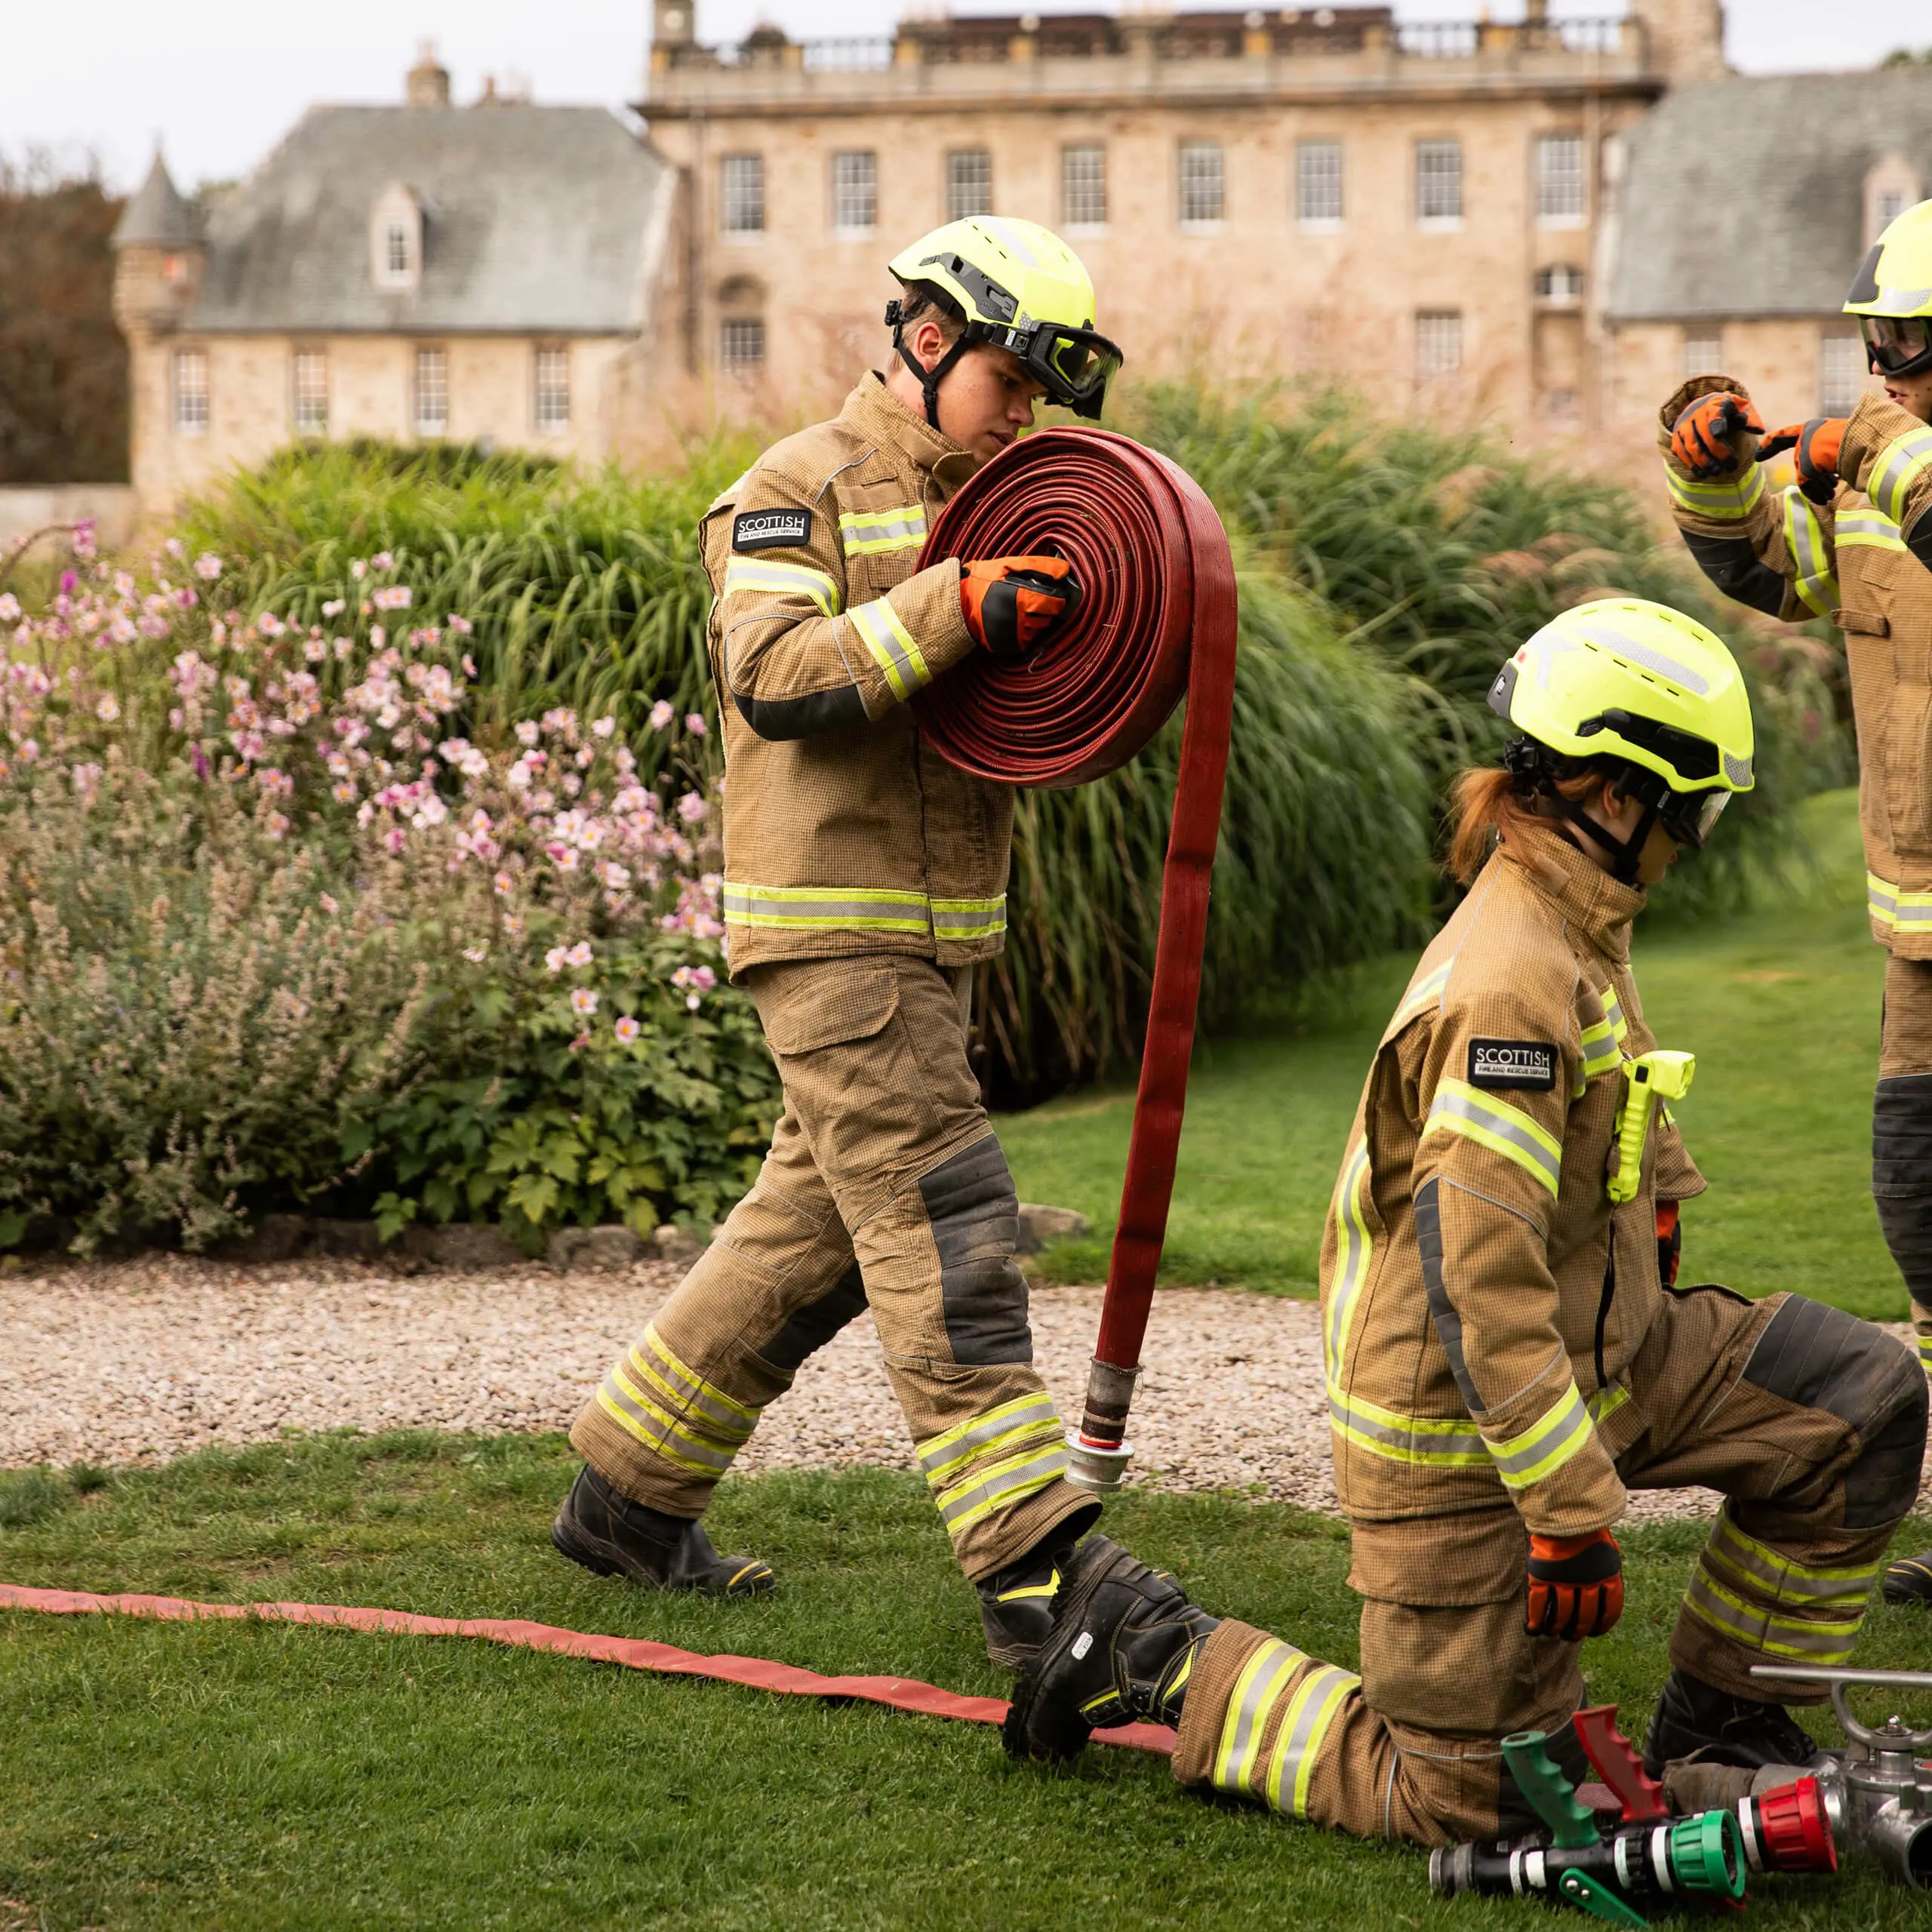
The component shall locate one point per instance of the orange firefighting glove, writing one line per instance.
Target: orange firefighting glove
(1575, 1586)
(1670, 1243)
(1817, 443)
(1702, 439)
(1012, 603)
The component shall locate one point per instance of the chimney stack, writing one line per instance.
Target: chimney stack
(429, 81)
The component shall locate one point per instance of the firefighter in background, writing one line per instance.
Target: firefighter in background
(1505, 1354)
(864, 879)
(1851, 540)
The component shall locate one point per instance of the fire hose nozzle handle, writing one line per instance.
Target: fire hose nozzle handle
(1619, 1766)
(1551, 1795)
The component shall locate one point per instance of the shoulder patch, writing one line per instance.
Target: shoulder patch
(1527, 1065)
(771, 530)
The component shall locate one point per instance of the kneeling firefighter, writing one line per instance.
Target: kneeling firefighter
(864, 877)
(1851, 540)
(1507, 1352)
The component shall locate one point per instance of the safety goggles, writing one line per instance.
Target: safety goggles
(1689, 818)
(1898, 345)
(1073, 365)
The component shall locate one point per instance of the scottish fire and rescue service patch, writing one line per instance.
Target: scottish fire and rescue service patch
(1529, 1065)
(771, 530)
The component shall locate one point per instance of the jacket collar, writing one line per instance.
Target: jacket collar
(1587, 896)
(873, 412)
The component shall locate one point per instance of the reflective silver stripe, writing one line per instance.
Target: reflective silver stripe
(767, 574)
(1898, 465)
(1423, 1440)
(1725, 502)
(1881, 900)
(1756, 1628)
(897, 656)
(1650, 657)
(826, 908)
(940, 1454)
(1786, 1580)
(1263, 1679)
(659, 1431)
(962, 919)
(1015, 243)
(1317, 1697)
(867, 533)
(1612, 1009)
(1600, 1049)
(1804, 538)
(1542, 1449)
(1425, 991)
(1353, 1247)
(1006, 1483)
(1505, 1130)
(680, 1380)
(1872, 529)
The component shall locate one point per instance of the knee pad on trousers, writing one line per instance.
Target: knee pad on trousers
(811, 1327)
(1824, 1358)
(973, 1210)
(1902, 1175)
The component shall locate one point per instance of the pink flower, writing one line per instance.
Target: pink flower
(604, 727)
(627, 1030)
(461, 626)
(382, 560)
(329, 906)
(557, 959)
(504, 884)
(208, 566)
(393, 597)
(580, 954)
(358, 569)
(476, 955)
(691, 808)
(10, 607)
(527, 733)
(108, 709)
(694, 724)
(661, 715)
(83, 535)
(583, 1001)
(335, 607)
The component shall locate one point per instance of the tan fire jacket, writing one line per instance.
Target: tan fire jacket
(844, 832)
(1481, 1300)
(1865, 562)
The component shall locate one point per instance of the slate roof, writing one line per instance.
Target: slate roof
(1745, 196)
(537, 221)
(157, 214)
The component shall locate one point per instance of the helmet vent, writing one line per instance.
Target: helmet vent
(1737, 770)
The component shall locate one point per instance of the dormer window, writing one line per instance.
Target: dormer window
(1891, 186)
(395, 240)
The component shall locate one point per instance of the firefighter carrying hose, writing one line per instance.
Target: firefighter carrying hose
(864, 879)
(1507, 1352)
(1851, 540)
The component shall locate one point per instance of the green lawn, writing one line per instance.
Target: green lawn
(1780, 1006)
(246, 1776)
(168, 1776)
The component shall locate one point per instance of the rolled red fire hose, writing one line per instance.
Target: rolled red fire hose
(1157, 619)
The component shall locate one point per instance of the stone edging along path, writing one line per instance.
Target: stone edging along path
(140, 1360)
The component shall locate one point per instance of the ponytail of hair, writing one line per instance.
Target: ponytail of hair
(1485, 808)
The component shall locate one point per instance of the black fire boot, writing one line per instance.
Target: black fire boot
(1695, 1720)
(1017, 1604)
(1122, 1649)
(1909, 1579)
(616, 1537)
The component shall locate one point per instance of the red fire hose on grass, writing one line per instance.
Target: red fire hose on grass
(1158, 619)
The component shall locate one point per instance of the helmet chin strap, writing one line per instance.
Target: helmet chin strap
(929, 379)
(1626, 855)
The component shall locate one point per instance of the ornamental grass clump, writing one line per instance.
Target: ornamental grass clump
(279, 932)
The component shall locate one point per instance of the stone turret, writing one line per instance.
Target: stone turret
(673, 30)
(1685, 39)
(158, 256)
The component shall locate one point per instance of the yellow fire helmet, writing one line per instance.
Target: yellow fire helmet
(1019, 287)
(1892, 295)
(1642, 685)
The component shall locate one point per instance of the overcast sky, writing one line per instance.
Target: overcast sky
(219, 81)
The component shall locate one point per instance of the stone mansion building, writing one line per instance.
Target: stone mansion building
(1539, 222)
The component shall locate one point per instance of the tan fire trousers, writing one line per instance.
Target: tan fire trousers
(1812, 1424)
(1902, 1134)
(885, 1188)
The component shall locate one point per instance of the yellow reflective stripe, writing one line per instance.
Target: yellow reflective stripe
(1820, 1643)
(867, 533)
(1263, 1678)
(999, 1428)
(1890, 907)
(1724, 502)
(1298, 1743)
(1804, 538)
(1606, 1402)
(1600, 1054)
(1001, 1486)
(1353, 1247)
(1925, 1353)
(891, 645)
(783, 581)
(1783, 1578)
(1550, 1442)
(721, 1408)
(1901, 462)
(959, 919)
(1425, 992)
(1437, 1442)
(1459, 1108)
(1612, 1009)
(826, 908)
(632, 1409)
(1870, 530)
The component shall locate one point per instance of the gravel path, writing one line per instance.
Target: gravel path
(138, 1362)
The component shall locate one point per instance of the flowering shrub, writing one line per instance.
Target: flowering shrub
(283, 933)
